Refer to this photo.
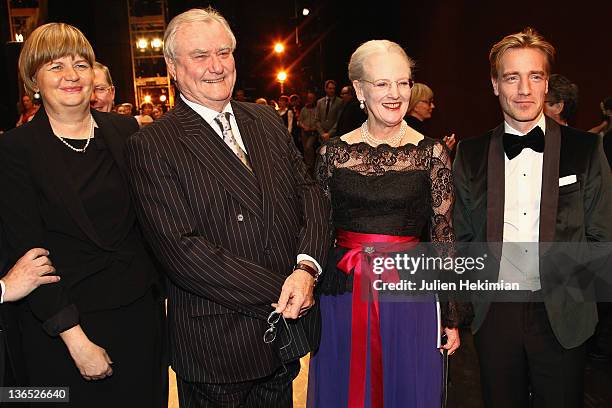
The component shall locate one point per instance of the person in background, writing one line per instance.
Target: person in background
(240, 95)
(144, 119)
(157, 112)
(420, 109)
(352, 115)
(308, 124)
(103, 95)
(606, 125)
(328, 111)
(98, 330)
(261, 101)
(28, 110)
(289, 118)
(273, 104)
(561, 100)
(125, 109)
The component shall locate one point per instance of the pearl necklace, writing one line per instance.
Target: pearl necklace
(91, 133)
(393, 141)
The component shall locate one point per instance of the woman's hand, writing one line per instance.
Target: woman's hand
(452, 341)
(92, 360)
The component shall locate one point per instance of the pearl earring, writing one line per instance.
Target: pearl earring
(36, 95)
(362, 105)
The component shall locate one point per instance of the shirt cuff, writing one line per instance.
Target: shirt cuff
(2, 290)
(304, 257)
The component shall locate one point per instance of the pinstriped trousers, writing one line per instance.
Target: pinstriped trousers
(274, 391)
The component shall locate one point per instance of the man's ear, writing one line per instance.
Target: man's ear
(171, 68)
(495, 86)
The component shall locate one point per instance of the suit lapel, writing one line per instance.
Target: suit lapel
(550, 181)
(58, 173)
(258, 146)
(206, 145)
(496, 186)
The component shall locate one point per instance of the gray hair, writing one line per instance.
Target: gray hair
(192, 16)
(356, 69)
(420, 92)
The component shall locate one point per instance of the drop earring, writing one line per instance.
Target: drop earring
(37, 95)
(362, 105)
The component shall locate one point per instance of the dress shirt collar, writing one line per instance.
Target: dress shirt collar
(541, 123)
(207, 114)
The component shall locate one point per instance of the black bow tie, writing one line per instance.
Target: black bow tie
(514, 144)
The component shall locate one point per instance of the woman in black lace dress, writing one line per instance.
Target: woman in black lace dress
(387, 184)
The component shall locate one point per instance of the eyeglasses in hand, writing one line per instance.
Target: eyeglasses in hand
(270, 334)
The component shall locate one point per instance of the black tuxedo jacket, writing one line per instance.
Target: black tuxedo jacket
(227, 237)
(40, 207)
(576, 213)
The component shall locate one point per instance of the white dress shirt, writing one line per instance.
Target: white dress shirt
(522, 196)
(209, 116)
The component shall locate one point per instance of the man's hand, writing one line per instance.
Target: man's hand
(452, 341)
(91, 360)
(325, 136)
(28, 274)
(296, 295)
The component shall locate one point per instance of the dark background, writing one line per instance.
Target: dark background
(449, 40)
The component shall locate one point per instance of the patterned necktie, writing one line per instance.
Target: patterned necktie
(228, 137)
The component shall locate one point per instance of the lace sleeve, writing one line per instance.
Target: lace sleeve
(323, 169)
(454, 314)
(442, 195)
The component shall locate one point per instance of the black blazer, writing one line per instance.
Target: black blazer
(576, 213)
(39, 207)
(227, 238)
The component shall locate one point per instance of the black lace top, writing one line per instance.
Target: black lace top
(405, 191)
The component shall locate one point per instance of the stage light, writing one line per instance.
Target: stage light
(147, 98)
(162, 98)
(156, 43)
(281, 76)
(279, 48)
(142, 43)
(305, 11)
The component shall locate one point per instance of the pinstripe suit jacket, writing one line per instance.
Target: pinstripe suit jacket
(227, 238)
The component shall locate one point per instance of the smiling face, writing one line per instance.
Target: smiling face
(521, 86)
(386, 107)
(103, 95)
(203, 67)
(65, 83)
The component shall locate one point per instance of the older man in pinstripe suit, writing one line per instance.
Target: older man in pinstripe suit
(227, 205)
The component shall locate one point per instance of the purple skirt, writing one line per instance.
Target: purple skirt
(412, 364)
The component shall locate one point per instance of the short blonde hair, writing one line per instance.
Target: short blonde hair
(105, 70)
(528, 38)
(192, 16)
(356, 67)
(420, 92)
(49, 42)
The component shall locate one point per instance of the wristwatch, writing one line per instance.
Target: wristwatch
(307, 268)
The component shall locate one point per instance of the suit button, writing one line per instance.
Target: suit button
(240, 217)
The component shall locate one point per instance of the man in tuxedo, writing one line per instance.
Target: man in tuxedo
(525, 183)
(328, 111)
(226, 202)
